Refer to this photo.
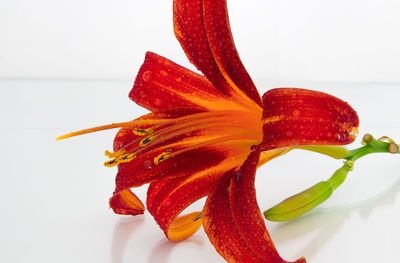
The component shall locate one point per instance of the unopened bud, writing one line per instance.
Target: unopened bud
(299, 204)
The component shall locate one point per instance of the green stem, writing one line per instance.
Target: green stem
(374, 146)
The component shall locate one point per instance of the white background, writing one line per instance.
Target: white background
(356, 40)
(68, 65)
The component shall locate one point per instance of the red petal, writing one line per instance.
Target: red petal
(162, 85)
(303, 117)
(239, 237)
(202, 28)
(126, 203)
(167, 198)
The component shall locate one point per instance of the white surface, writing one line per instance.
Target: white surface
(54, 197)
(340, 40)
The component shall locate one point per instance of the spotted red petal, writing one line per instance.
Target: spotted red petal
(167, 198)
(233, 222)
(202, 28)
(162, 85)
(294, 117)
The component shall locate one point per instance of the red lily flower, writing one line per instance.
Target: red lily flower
(207, 134)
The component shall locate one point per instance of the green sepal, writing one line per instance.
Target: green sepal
(337, 152)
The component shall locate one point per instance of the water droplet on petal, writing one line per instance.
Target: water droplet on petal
(143, 94)
(296, 113)
(146, 76)
(289, 133)
(148, 165)
(163, 73)
(157, 102)
(169, 150)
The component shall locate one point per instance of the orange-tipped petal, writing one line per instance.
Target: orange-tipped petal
(202, 28)
(162, 85)
(184, 226)
(167, 198)
(294, 117)
(126, 203)
(233, 221)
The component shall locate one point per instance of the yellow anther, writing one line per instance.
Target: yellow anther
(146, 141)
(121, 159)
(126, 158)
(111, 163)
(162, 157)
(141, 132)
(114, 154)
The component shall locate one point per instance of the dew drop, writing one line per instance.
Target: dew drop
(163, 73)
(169, 150)
(142, 94)
(289, 133)
(178, 79)
(146, 76)
(214, 227)
(296, 113)
(157, 102)
(148, 165)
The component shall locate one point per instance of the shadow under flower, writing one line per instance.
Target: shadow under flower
(327, 221)
(162, 251)
(122, 231)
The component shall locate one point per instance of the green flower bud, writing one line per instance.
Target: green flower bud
(299, 204)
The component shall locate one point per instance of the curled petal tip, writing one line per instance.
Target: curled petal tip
(126, 203)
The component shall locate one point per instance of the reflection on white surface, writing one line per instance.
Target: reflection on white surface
(54, 195)
(123, 230)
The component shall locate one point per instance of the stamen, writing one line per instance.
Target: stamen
(162, 157)
(111, 163)
(114, 154)
(141, 132)
(237, 137)
(127, 158)
(113, 126)
(122, 159)
(146, 141)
